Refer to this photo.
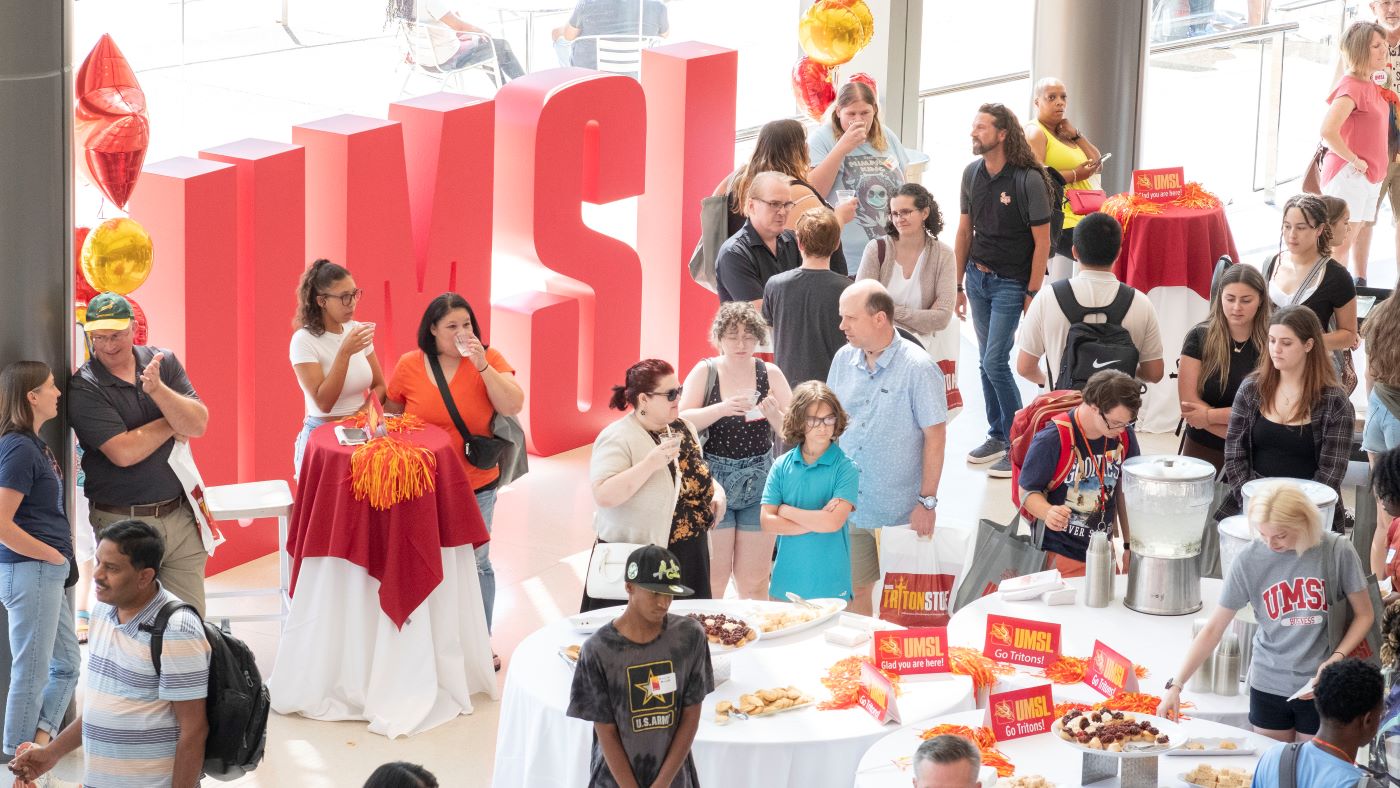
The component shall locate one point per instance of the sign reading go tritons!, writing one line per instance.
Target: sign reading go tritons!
(876, 695)
(1022, 712)
(1020, 641)
(913, 652)
(1109, 672)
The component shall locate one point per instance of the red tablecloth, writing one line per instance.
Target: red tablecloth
(1175, 248)
(400, 547)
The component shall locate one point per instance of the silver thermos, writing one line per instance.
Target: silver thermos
(1201, 680)
(1227, 665)
(1098, 571)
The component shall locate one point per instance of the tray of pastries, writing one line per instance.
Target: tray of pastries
(1118, 733)
(761, 703)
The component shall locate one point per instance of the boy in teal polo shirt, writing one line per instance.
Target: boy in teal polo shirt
(810, 492)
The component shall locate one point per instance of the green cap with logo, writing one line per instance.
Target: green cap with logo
(108, 311)
(657, 570)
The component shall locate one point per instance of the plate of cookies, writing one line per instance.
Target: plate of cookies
(1197, 745)
(726, 633)
(1206, 776)
(780, 619)
(1118, 733)
(761, 703)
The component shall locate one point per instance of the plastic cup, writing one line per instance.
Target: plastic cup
(461, 341)
(843, 195)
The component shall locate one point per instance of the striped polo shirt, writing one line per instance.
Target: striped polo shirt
(129, 726)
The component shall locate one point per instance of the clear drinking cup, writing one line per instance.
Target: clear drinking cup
(462, 341)
(843, 195)
(753, 414)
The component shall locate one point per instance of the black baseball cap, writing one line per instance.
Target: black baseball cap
(657, 570)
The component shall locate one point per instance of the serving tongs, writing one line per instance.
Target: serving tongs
(800, 602)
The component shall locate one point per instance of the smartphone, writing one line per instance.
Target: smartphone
(1105, 157)
(351, 436)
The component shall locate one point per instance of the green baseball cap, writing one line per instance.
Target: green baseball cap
(108, 311)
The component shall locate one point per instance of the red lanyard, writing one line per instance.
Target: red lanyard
(1337, 751)
(1100, 466)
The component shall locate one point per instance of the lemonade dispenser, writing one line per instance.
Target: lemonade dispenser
(1167, 499)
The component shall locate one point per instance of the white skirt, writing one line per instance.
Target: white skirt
(1362, 196)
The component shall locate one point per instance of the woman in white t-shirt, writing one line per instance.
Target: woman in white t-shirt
(332, 353)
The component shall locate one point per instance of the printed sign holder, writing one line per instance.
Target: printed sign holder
(1136, 772)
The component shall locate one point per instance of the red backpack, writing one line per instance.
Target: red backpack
(1053, 406)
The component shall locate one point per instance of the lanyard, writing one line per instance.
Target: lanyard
(1099, 466)
(1335, 750)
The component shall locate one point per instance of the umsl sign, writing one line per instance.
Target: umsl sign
(1022, 712)
(1109, 672)
(1161, 185)
(912, 652)
(449, 193)
(1019, 641)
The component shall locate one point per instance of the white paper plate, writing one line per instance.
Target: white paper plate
(833, 607)
(1175, 734)
(1212, 746)
(588, 623)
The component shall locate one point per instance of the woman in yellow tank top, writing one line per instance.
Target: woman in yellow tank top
(1058, 144)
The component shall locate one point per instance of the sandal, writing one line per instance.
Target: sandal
(84, 621)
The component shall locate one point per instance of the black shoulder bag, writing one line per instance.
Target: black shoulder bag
(482, 452)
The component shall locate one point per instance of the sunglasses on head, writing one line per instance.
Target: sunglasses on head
(671, 396)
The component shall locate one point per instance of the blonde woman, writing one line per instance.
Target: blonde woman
(739, 400)
(1283, 575)
(856, 153)
(809, 495)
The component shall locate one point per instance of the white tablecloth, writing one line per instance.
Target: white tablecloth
(1178, 310)
(341, 658)
(1047, 756)
(538, 746)
(1157, 642)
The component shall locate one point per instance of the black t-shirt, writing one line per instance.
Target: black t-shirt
(1090, 511)
(101, 407)
(735, 437)
(744, 264)
(1335, 291)
(1282, 450)
(1242, 360)
(607, 17)
(1001, 239)
(803, 307)
(622, 683)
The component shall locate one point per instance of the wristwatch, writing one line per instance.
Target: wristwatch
(1032, 293)
(929, 502)
(1171, 682)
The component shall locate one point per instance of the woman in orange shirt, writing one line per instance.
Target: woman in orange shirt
(482, 383)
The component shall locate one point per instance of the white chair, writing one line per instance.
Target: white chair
(619, 54)
(249, 501)
(418, 39)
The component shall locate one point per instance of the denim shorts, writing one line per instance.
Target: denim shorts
(1382, 431)
(745, 519)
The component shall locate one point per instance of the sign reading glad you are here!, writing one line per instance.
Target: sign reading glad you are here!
(913, 652)
(1160, 185)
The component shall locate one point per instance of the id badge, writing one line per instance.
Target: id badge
(664, 684)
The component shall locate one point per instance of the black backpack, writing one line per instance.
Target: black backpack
(1022, 177)
(237, 703)
(1090, 347)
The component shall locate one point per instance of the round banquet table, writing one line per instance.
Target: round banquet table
(1158, 643)
(886, 764)
(1171, 257)
(537, 745)
(386, 621)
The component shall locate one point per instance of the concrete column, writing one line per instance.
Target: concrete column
(1098, 48)
(36, 204)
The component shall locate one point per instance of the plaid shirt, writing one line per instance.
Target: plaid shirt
(1332, 424)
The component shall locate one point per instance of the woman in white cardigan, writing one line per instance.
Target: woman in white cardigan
(917, 269)
(649, 477)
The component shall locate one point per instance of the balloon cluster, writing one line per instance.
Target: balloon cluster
(831, 33)
(112, 131)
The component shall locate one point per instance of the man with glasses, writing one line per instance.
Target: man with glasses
(128, 405)
(763, 247)
(894, 396)
(1069, 480)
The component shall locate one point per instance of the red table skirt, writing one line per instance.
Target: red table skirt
(400, 547)
(1175, 248)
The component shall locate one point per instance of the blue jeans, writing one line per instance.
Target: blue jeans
(996, 304)
(299, 450)
(486, 502)
(43, 647)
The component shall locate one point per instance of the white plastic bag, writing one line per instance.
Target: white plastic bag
(921, 575)
(182, 462)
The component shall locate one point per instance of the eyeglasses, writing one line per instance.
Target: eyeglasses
(905, 214)
(743, 339)
(777, 205)
(347, 299)
(821, 421)
(671, 396)
(100, 339)
(1116, 427)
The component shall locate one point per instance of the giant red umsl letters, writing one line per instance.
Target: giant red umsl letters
(447, 191)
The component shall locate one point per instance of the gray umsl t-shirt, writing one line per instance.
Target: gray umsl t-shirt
(642, 688)
(1288, 592)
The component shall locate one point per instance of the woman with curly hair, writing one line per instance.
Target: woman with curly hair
(1303, 272)
(810, 493)
(918, 270)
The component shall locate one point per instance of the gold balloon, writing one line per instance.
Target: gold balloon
(117, 256)
(831, 34)
(867, 20)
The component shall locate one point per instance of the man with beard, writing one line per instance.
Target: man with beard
(1002, 249)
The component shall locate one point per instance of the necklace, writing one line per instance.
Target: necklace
(1335, 750)
(1238, 347)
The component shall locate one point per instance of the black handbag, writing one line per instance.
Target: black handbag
(482, 452)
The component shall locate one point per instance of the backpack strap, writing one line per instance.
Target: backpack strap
(1023, 205)
(1067, 450)
(157, 628)
(1288, 765)
(1064, 296)
(1117, 311)
(880, 250)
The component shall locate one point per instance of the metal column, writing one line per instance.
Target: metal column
(1098, 48)
(36, 203)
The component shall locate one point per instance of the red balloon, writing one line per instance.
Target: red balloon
(138, 329)
(111, 126)
(811, 84)
(864, 78)
(81, 289)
